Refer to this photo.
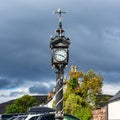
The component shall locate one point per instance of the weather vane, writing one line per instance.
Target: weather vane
(59, 11)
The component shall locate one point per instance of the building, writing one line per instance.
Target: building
(113, 107)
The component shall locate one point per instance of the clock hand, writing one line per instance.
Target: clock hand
(61, 55)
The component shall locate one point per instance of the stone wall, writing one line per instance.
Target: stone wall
(100, 114)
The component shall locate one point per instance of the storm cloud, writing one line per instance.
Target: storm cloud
(25, 29)
(42, 88)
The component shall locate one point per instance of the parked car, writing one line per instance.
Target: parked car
(52, 117)
(41, 113)
(40, 109)
(32, 117)
(19, 117)
(48, 116)
(10, 116)
(46, 113)
(25, 117)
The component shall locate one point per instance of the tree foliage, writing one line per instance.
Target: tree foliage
(80, 95)
(22, 104)
(91, 86)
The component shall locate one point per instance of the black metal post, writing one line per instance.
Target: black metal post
(60, 56)
(59, 94)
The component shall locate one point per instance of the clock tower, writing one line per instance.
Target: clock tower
(60, 55)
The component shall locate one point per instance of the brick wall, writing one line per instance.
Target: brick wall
(100, 114)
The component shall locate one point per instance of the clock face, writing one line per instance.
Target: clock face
(60, 55)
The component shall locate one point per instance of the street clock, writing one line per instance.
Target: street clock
(59, 58)
(59, 47)
(60, 55)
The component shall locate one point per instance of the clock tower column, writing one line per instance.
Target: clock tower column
(60, 56)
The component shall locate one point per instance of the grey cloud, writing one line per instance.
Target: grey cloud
(4, 83)
(4, 95)
(94, 48)
(24, 45)
(24, 39)
(13, 94)
(110, 79)
(9, 84)
(41, 89)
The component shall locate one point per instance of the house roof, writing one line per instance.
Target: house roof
(116, 97)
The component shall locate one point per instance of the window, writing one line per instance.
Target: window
(34, 118)
(48, 117)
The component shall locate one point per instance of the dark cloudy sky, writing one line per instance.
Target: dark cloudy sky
(25, 29)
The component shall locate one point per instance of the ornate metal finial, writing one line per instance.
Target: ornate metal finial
(59, 11)
(60, 30)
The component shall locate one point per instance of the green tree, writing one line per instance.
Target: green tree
(87, 85)
(22, 104)
(91, 86)
(81, 91)
(102, 100)
(77, 106)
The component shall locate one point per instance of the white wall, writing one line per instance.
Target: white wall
(114, 110)
(50, 104)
